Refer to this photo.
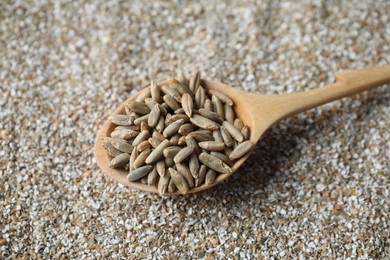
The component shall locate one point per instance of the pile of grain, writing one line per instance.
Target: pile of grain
(177, 136)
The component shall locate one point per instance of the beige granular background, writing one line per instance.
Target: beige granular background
(317, 185)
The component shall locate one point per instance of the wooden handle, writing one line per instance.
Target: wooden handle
(347, 83)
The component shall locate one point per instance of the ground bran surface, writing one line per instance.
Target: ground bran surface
(317, 185)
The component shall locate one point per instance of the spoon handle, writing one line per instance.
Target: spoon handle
(347, 83)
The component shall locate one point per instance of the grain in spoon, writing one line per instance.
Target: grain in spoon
(258, 112)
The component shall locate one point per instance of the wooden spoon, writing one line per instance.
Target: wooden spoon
(259, 112)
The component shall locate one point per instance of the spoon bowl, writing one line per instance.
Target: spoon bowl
(258, 112)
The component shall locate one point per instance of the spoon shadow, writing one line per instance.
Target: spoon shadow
(277, 147)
